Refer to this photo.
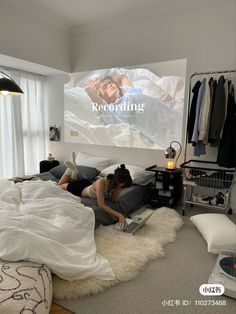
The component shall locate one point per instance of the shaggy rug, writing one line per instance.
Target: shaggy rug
(126, 254)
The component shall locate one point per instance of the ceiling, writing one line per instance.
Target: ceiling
(75, 13)
(78, 13)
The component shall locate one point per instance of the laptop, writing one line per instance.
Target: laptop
(136, 222)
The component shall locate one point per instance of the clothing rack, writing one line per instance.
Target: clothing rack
(189, 98)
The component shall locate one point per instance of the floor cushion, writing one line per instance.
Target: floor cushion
(25, 287)
(218, 231)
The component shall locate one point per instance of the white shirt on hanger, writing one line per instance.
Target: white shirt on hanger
(204, 113)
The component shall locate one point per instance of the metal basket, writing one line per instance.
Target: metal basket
(207, 184)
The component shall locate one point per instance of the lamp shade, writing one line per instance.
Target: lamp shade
(170, 153)
(9, 87)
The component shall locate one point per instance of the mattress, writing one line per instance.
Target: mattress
(131, 199)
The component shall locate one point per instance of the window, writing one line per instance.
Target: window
(23, 127)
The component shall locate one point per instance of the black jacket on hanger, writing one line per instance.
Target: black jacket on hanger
(227, 149)
(192, 113)
(218, 113)
(212, 85)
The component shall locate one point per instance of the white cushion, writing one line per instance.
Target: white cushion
(98, 162)
(218, 231)
(139, 175)
(25, 287)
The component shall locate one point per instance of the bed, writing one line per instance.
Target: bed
(42, 223)
(130, 199)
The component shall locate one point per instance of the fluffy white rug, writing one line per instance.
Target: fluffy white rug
(126, 254)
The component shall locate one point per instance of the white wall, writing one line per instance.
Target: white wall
(54, 97)
(205, 35)
(28, 35)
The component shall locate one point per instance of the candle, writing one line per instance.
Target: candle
(170, 165)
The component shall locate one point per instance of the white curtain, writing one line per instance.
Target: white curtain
(23, 127)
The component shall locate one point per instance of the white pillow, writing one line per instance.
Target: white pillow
(139, 175)
(97, 162)
(218, 231)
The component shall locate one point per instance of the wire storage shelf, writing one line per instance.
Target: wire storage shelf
(207, 184)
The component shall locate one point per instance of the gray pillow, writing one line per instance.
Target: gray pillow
(133, 198)
(84, 172)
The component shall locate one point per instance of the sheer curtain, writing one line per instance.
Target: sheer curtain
(23, 127)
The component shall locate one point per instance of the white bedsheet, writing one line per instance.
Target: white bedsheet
(42, 223)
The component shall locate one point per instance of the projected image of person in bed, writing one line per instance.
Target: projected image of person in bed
(101, 189)
(111, 89)
(117, 100)
(129, 107)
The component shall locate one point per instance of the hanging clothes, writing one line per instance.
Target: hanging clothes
(199, 148)
(227, 149)
(228, 89)
(192, 113)
(204, 113)
(212, 86)
(218, 113)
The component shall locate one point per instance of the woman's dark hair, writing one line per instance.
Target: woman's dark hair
(108, 100)
(121, 175)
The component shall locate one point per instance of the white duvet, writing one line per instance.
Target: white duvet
(42, 223)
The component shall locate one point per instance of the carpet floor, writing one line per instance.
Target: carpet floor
(126, 254)
(175, 276)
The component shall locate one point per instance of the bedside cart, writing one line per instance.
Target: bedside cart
(207, 184)
(167, 188)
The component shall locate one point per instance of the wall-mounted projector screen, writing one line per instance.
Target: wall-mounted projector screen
(139, 106)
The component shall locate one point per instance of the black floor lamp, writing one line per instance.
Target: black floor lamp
(8, 86)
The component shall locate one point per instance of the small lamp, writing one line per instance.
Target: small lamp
(170, 153)
(9, 87)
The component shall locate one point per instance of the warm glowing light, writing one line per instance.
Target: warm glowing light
(4, 92)
(170, 165)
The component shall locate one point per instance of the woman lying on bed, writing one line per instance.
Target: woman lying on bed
(100, 190)
(110, 89)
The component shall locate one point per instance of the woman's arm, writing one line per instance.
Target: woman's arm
(94, 96)
(100, 189)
